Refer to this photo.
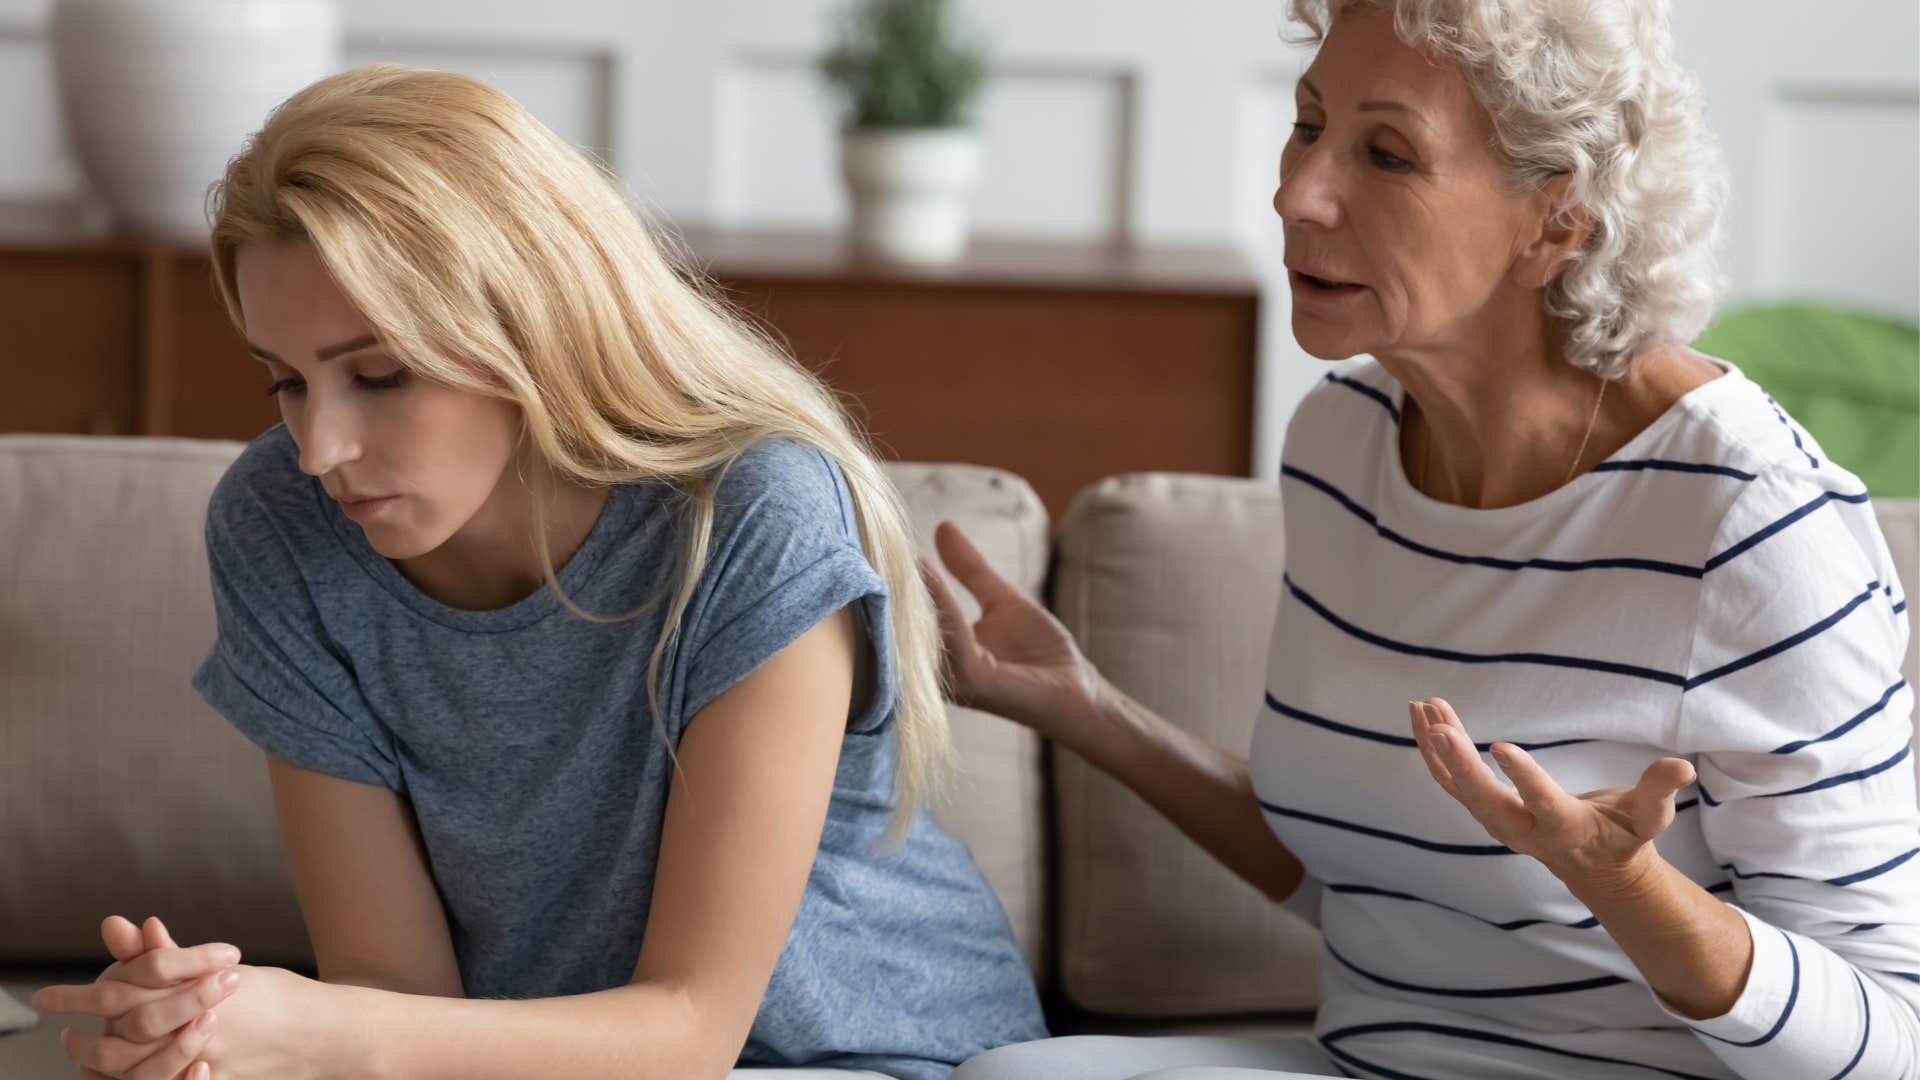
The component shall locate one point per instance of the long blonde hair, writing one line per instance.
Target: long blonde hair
(490, 255)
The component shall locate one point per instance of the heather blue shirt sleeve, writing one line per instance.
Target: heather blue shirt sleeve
(271, 672)
(785, 553)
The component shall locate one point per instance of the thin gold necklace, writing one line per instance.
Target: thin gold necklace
(1426, 441)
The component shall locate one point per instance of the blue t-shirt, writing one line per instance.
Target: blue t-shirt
(524, 741)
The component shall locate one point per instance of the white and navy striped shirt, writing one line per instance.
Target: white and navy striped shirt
(1717, 590)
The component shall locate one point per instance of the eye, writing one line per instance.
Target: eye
(1306, 133)
(296, 385)
(1389, 161)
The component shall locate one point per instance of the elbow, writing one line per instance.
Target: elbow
(713, 1033)
(1281, 877)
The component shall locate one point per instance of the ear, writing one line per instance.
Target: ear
(1560, 235)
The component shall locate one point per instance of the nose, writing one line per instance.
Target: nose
(328, 435)
(1309, 191)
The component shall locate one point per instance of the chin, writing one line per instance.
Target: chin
(1323, 342)
(397, 545)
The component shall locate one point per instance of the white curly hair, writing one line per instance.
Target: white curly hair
(1590, 89)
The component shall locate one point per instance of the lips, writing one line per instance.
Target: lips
(366, 509)
(1327, 281)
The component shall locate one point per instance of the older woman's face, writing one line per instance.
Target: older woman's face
(1401, 232)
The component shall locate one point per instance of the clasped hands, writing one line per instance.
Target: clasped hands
(174, 1013)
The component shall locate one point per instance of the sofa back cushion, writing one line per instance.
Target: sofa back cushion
(121, 792)
(1900, 524)
(997, 801)
(1170, 583)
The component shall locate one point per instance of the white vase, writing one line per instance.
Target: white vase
(158, 94)
(910, 191)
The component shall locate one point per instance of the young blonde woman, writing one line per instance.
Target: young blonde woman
(584, 639)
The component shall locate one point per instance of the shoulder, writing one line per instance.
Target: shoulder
(783, 484)
(1794, 500)
(1735, 423)
(1351, 397)
(263, 501)
(1794, 518)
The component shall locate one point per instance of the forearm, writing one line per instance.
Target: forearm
(1206, 791)
(1692, 949)
(395, 982)
(641, 1031)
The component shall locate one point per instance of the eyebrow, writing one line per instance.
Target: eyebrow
(1366, 106)
(366, 341)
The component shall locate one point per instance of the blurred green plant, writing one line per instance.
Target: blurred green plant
(904, 64)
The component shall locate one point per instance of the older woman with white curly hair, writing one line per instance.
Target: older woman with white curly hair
(1629, 573)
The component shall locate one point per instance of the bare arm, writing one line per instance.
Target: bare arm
(742, 826)
(1207, 792)
(369, 900)
(1017, 661)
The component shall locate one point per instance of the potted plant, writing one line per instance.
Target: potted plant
(908, 151)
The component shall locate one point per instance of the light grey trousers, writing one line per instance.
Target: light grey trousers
(1170, 1057)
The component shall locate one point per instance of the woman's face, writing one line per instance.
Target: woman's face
(365, 425)
(1400, 231)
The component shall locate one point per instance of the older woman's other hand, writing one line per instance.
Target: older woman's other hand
(155, 1000)
(1598, 840)
(1017, 661)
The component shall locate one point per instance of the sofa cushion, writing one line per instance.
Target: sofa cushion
(121, 792)
(1170, 584)
(996, 803)
(1900, 524)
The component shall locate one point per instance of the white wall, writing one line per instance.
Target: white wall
(1136, 119)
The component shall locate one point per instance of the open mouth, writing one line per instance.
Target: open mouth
(1328, 285)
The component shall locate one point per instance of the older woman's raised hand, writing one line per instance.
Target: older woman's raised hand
(1596, 840)
(1017, 661)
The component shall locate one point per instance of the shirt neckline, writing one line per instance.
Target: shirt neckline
(524, 612)
(1403, 493)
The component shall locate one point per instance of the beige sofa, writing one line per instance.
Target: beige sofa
(121, 792)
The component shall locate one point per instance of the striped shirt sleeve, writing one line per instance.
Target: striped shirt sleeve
(1802, 727)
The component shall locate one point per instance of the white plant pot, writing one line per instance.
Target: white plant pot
(910, 191)
(159, 94)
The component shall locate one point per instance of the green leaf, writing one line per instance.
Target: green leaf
(904, 63)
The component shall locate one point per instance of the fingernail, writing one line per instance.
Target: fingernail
(1501, 757)
(204, 1024)
(64, 1032)
(227, 955)
(228, 981)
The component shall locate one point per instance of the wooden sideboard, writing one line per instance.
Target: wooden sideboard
(1061, 362)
